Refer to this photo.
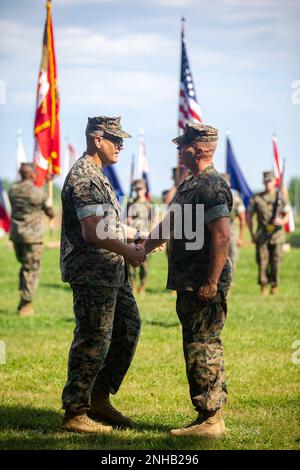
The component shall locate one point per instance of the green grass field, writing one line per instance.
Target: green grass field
(264, 384)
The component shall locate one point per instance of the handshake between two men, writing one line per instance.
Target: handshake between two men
(137, 251)
(153, 242)
(135, 254)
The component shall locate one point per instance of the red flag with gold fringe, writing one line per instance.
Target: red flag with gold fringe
(290, 226)
(46, 125)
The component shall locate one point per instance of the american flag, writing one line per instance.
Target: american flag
(189, 109)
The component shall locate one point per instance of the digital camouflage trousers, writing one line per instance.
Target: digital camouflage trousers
(202, 323)
(105, 338)
(268, 258)
(29, 255)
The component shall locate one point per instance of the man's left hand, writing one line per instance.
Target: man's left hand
(208, 291)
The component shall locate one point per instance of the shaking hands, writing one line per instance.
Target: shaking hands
(135, 255)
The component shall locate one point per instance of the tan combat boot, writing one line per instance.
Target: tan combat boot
(133, 285)
(264, 290)
(102, 409)
(274, 290)
(211, 427)
(142, 287)
(82, 423)
(25, 309)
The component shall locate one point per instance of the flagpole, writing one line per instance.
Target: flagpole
(50, 196)
(183, 20)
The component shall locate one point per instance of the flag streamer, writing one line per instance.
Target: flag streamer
(46, 125)
(278, 170)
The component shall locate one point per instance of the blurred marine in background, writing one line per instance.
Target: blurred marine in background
(238, 212)
(272, 214)
(28, 203)
(139, 216)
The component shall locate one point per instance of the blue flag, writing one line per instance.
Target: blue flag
(237, 178)
(111, 174)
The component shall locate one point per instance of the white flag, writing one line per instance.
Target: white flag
(21, 156)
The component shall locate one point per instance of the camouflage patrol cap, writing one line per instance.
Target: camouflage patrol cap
(196, 132)
(268, 176)
(139, 184)
(26, 165)
(106, 125)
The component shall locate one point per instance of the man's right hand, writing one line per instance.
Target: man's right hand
(135, 255)
(50, 213)
(208, 291)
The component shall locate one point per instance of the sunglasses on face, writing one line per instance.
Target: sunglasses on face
(118, 142)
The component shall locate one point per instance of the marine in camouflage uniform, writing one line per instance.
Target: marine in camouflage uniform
(28, 204)
(202, 318)
(238, 213)
(107, 318)
(139, 215)
(268, 246)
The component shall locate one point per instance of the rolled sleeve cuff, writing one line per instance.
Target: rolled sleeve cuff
(216, 213)
(87, 211)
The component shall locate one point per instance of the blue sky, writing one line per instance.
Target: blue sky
(122, 58)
